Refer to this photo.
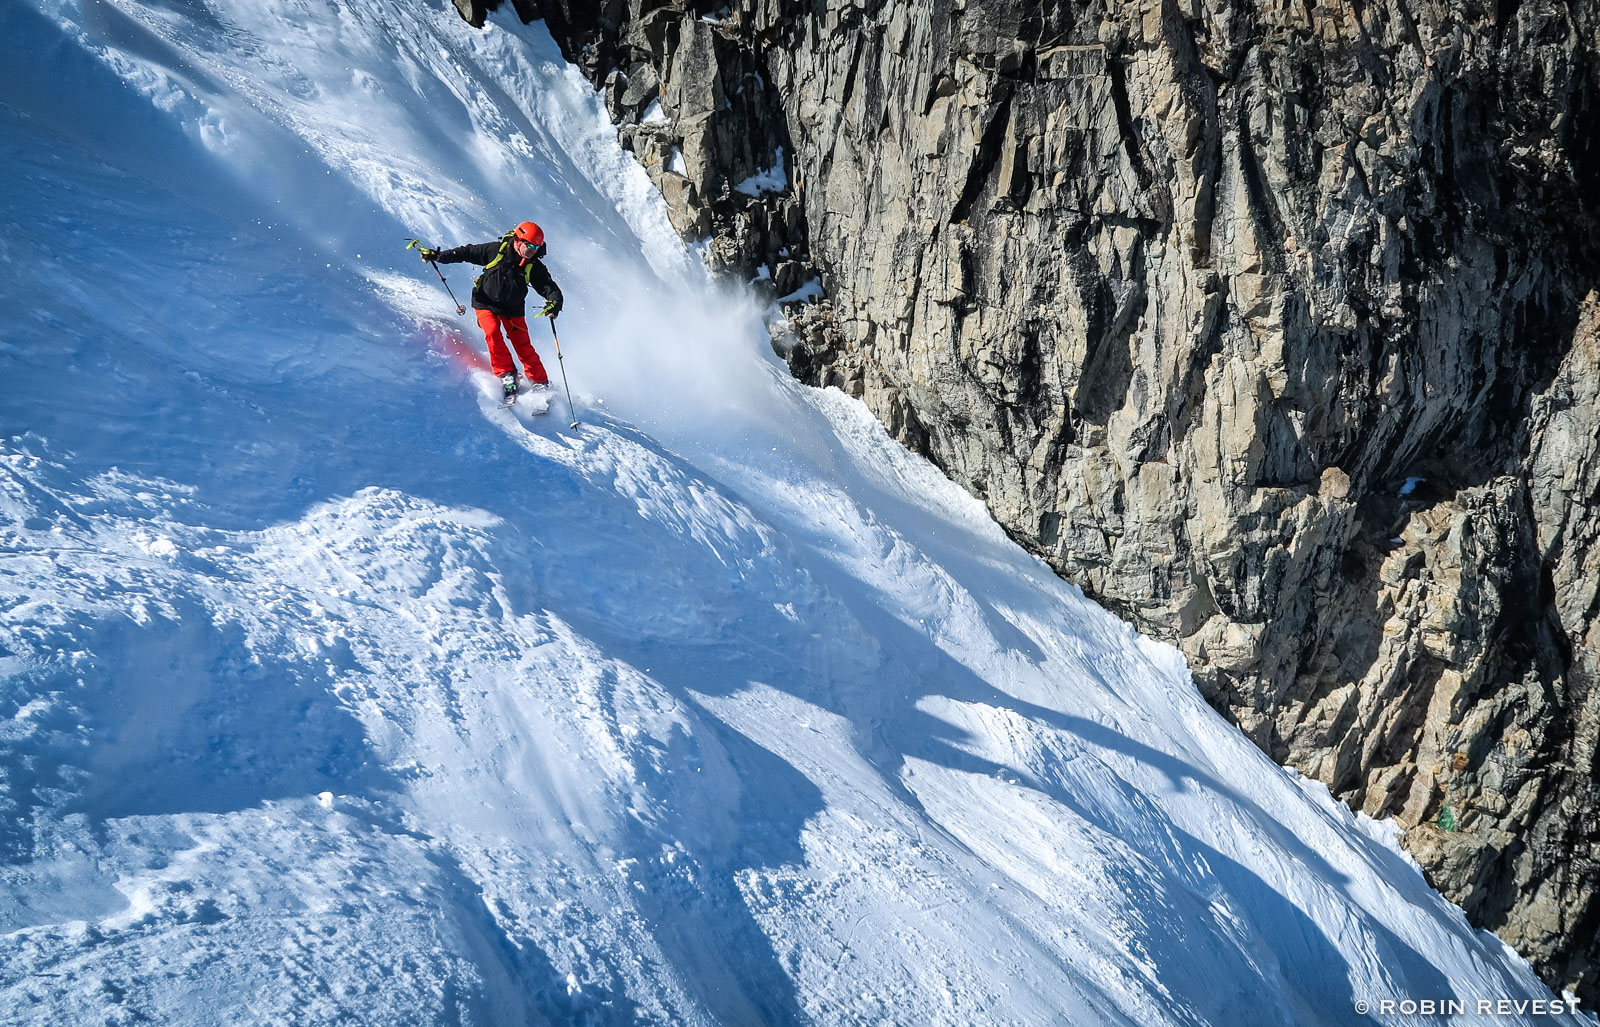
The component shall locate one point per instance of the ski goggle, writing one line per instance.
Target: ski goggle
(533, 251)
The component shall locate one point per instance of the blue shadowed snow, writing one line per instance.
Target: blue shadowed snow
(721, 708)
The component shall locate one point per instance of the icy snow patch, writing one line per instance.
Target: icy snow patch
(772, 180)
(655, 114)
(809, 292)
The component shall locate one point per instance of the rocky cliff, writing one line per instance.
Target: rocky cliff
(1273, 325)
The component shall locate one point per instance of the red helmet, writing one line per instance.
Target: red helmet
(529, 233)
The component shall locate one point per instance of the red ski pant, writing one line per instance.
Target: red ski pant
(499, 357)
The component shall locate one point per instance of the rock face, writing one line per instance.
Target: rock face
(1273, 325)
(475, 12)
(695, 104)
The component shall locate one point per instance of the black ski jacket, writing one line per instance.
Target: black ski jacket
(503, 286)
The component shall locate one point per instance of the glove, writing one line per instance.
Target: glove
(427, 254)
(551, 309)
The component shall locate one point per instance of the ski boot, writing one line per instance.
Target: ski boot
(508, 382)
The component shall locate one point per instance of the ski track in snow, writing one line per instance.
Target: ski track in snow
(722, 708)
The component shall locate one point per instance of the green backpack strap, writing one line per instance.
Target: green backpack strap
(505, 244)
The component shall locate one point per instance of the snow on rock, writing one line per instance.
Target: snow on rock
(772, 180)
(655, 114)
(808, 291)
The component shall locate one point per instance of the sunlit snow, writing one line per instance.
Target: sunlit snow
(329, 692)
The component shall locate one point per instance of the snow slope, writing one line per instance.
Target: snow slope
(331, 693)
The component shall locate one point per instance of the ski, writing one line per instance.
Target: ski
(538, 399)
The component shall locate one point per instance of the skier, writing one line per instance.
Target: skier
(500, 295)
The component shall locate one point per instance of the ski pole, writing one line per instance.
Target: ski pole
(562, 363)
(418, 243)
